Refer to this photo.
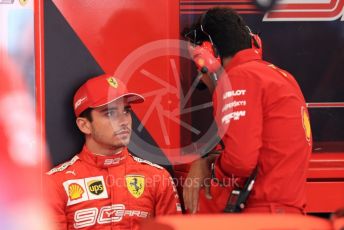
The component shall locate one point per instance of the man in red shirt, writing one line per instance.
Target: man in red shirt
(261, 115)
(104, 186)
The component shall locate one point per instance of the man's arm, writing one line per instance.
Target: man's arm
(243, 138)
(199, 175)
(241, 125)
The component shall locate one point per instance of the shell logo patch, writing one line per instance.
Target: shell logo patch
(75, 191)
(113, 82)
(84, 189)
(135, 185)
(306, 123)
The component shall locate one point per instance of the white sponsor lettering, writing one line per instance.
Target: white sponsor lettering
(112, 161)
(232, 93)
(79, 102)
(107, 214)
(235, 116)
(147, 162)
(71, 172)
(233, 104)
(85, 217)
(174, 188)
(63, 166)
(306, 10)
(178, 207)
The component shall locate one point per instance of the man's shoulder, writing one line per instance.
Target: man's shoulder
(146, 163)
(262, 72)
(249, 67)
(64, 166)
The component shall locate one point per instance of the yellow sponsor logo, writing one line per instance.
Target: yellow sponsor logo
(75, 191)
(95, 186)
(23, 2)
(306, 123)
(113, 82)
(201, 62)
(135, 185)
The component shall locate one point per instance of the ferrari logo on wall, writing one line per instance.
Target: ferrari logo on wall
(306, 10)
(135, 185)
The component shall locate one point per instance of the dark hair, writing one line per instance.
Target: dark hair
(227, 29)
(87, 114)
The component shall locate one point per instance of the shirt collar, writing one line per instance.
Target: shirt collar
(103, 161)
(243, 56)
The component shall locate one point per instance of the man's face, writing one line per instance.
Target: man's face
(111, 125)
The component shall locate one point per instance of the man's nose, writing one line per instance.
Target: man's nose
(124, 118)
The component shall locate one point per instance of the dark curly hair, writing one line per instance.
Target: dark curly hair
(87, 114)
(227, 30)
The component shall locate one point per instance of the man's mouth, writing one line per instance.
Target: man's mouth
(123, 132)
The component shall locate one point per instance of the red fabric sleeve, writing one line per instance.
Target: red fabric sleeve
(244, 119)
(167, 200)
(55, 196)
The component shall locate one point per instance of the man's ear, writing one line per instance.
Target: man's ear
(84, 125)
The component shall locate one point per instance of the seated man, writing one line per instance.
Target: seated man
(104, 186)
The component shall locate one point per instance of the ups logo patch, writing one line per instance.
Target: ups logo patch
(96, 187)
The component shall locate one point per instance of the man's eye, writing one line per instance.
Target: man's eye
(127, 110)
(110, 113)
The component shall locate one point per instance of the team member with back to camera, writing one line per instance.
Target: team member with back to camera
(262, 119)
(104, 186)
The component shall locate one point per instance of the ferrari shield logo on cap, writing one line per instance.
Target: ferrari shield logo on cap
(135, 185)
(112, 82)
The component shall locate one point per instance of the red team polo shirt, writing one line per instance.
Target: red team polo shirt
(264, 121)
